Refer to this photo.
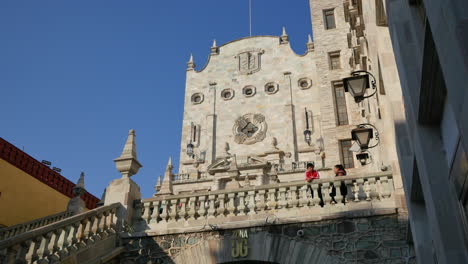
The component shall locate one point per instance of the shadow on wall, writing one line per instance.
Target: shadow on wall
(145, 250)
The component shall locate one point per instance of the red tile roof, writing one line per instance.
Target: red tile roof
(36, 169)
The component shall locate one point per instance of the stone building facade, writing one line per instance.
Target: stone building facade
(430, 42)
(255, 100)
(254, 116)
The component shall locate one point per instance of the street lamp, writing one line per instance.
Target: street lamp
(363, 134)
(190, 149)
(362, 157)
(357, 84)
(307, 136)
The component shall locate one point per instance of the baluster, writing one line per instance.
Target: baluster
(146, 212)
(22, 251)
(202, 210)
(62, 242)
(282, 197)
(316, 199)
(385, 187)
(357, 184)
(251, 204)
(43, 250)
(193, 205)
(260, 201)
(96, 227)
(326, 193)
(292, 201)
(272, 199)
(88, 230)
(165, 209)
(338, 196)
(211, 209)
(31, 256)
(174, 209)
(232, 204)
(81, 233)
(241, 207)
(372, 187)
(72, 240)
(55, 245)
(221, 210)
(183, 210)
(304, 200)
(367, 190)
(155, 215)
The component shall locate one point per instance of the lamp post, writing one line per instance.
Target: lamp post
(190, 150)
(307, 136)
(362, 135)
(357, 84)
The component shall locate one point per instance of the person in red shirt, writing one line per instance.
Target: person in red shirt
(310, 175)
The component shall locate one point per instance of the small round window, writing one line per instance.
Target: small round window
(304, 83)
(227, 94)
(197, 98)
(271, 88)
(249, 91)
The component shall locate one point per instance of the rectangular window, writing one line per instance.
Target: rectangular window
(346, 154)
(334, 58)
(340, 103)
(380, 16)
(329, 18)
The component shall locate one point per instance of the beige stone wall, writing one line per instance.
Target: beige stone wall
(284, 110)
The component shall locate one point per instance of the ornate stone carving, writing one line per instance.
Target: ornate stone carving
(249, 129)
(249, 61)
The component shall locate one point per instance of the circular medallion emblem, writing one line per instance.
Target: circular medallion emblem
(249, 129)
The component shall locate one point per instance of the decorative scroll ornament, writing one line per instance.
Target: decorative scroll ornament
(249, 61)
(249, 129)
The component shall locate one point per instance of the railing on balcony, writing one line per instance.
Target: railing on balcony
(15, 230)
(185, 177)
(253, 204)
(54, 242)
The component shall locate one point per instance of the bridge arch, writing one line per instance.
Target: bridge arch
(262, 248)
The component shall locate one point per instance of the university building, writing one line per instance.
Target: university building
(254, 116)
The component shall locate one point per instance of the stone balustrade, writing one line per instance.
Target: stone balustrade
(288, 202)
(15, 230)
(55, 242)
(185, 177)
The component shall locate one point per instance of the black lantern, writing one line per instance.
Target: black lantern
(307, 136)
(357, 84)
(362, 157)
(363, 136)
(190, 149)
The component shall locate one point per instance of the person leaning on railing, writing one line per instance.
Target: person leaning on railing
(339, 171)
(310, 175)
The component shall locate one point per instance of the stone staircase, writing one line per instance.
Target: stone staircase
(18, 229)
(89, 237)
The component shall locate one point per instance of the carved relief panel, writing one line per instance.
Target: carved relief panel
(249, 129)
(249, 61)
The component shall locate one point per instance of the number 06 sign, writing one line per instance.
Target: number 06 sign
(240, 244)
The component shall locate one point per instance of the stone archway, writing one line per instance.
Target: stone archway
(263, 247)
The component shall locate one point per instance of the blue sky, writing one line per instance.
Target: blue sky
(75, 76)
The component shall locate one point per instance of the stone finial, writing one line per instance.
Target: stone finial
(284, 37)
(310, 44)
(166, 186)
(76, 205)
(127, 163)
(214, 48)
(79, 188)
(190, 64)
